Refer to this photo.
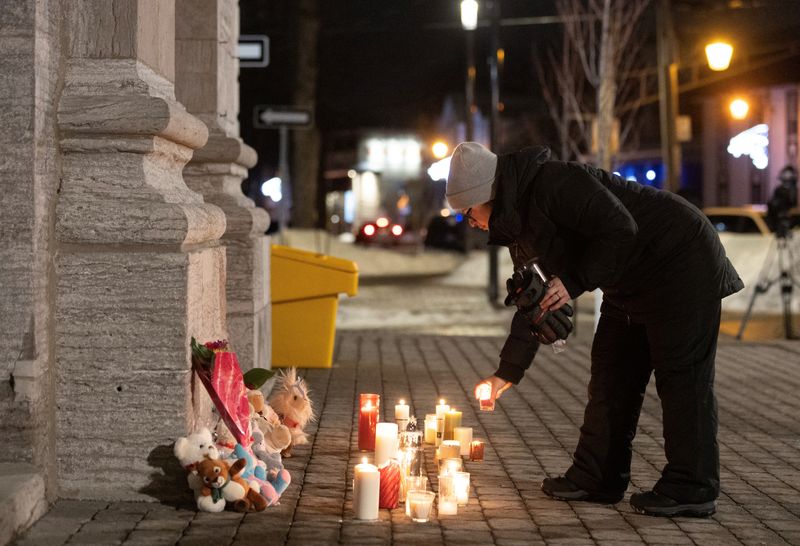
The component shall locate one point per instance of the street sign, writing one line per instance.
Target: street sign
(253, 50)
(271, 117)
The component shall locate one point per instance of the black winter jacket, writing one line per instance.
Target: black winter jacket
(654, 255)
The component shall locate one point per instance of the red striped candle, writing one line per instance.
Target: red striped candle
(389, 496)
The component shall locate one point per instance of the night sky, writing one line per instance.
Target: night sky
(391, 64)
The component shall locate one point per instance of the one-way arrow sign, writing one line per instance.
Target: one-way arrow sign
(269, 117)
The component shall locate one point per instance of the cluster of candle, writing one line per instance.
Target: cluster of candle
(396, 475)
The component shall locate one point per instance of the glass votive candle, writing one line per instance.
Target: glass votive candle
(414, 483)
(430, 428)
(448, 502)
(476, 450)
(450, 466)
(484, 394)
(420, 505)
(462, 487)
(450, 449)
(369, 410)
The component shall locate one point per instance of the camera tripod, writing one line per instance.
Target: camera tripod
(780, 251)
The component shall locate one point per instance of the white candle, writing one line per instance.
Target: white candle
(448, 504)
(401, 410)
(463, 435)
(462, 488)
(430, 429)
(449, 466)
(419, 505)
(366, 490)
(442, 409)
(448, 507)
(385, 442)
(449, 449)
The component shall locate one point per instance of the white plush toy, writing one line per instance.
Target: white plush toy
(191, 450)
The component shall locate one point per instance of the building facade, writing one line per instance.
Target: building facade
(124, 233)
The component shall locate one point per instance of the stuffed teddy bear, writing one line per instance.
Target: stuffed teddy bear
(291, 402)
(192, 449)
(222, 483)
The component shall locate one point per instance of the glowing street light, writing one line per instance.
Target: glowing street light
(439, 149)
(739, 108)
(469, 14)
(719, 55)
(272, 188)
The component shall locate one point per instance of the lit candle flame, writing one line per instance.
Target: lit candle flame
(402, 402)
(368, 406)
(364, 460)
(441, 401)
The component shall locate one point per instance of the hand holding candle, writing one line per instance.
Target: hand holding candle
(489, 390)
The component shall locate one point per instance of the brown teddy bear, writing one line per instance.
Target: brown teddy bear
(222, 483)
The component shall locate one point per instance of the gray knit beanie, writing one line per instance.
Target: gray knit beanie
(471, 177)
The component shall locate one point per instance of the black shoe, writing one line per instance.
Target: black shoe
(562, 488)
(653, 504)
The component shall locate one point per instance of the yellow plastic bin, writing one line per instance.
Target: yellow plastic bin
(305, 295)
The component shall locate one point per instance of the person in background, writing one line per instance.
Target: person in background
(663, 273)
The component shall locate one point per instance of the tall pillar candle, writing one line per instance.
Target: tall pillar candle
(401, 411)
(441, 411)
(430, 428)
(366, 491)
(452, 419)
(389, 495)
(385, 442)
(369, 409)
(464, 436)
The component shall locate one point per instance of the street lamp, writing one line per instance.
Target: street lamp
(739, 109)
(439, 149)
(469, 14)
(719, 55)
(469, 21)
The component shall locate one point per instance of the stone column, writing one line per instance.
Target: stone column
(29, 178)
(207, 83)
(140, 269)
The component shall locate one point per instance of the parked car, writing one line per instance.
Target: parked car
(447, 232)
(747, 219)
(384, 233)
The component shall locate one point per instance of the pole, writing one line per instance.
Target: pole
(283, 168)
(470, 90)
(492, 291)
(668, 97)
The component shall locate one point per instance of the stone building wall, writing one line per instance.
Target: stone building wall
(29, 178)
(206, 82)
(109, 262)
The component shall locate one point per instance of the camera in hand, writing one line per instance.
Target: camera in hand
(783, 199)
(526, 288)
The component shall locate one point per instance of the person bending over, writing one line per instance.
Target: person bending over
(663, 273)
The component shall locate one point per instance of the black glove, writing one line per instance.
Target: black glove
(525, 290)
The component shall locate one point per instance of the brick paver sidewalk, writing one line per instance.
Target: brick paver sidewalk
(530, 435)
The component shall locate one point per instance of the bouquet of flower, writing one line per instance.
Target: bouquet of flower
(219, 372)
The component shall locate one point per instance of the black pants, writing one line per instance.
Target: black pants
(682, 352)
